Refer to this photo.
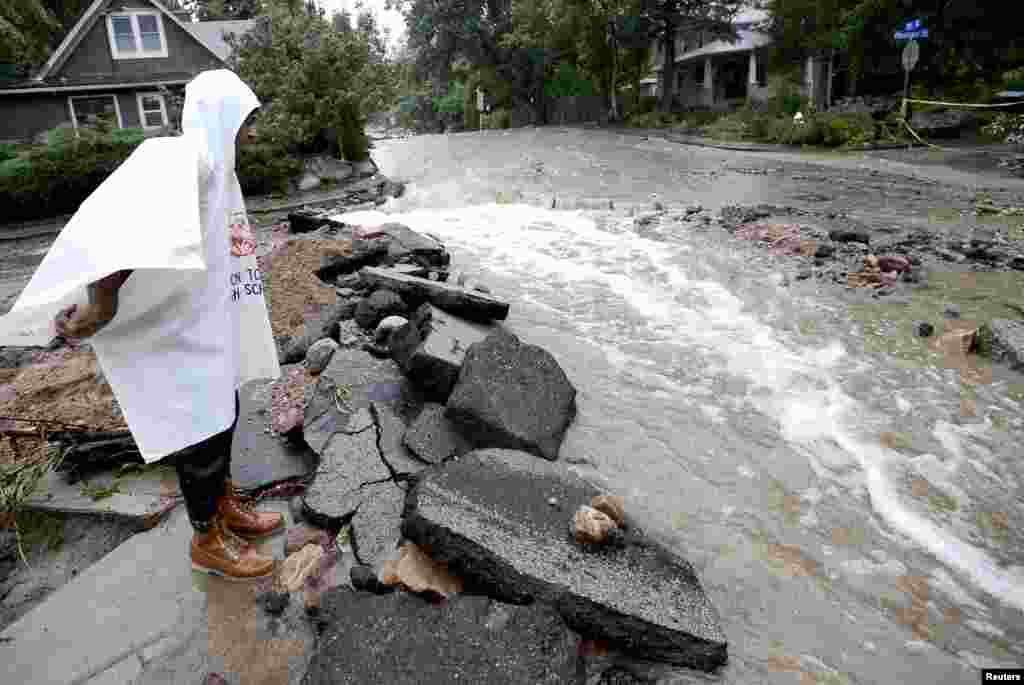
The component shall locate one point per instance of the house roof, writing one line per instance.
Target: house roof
(212, 33)
(97, 83)
(82, 27)
(748, 40)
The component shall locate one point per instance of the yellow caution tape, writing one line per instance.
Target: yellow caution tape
(963, 104)
(919, 139)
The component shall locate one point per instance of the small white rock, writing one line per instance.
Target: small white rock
(552, 501)
(319, 355)
(386, 326)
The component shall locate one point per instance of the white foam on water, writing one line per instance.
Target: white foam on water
(795, 384)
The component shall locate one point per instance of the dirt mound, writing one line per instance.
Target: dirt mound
(66, 385)
(292, 290)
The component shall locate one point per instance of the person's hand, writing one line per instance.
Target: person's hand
(78, 322)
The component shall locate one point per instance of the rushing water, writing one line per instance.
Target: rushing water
(849, 518)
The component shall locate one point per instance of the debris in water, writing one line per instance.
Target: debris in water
(590, 526)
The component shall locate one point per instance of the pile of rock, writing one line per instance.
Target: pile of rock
(437, 432)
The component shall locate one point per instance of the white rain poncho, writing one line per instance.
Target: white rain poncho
(192, 323)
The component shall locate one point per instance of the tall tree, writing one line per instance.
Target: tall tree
(670, 17)
(369, 27)
(316, 83)
(25, 30)
(218, 10)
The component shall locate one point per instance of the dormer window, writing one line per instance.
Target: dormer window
(136, 35)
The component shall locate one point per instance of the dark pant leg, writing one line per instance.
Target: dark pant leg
(203, 470)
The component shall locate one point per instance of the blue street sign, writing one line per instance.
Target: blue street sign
(912, 25)
(911, 35)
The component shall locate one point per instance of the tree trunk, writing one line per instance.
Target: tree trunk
(668, 68)
(613, 91)
(829, 78)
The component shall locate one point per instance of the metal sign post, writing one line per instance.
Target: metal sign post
(911, 53)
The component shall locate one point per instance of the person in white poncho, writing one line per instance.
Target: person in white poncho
(178, 336)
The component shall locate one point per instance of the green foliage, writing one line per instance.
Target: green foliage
(568, 81)
(498, 119)
(25, 29)
(470, 115)
(1006, 127)
(828, 130)
(8, 151)
(645, 104)
(313, 80)
(55, 178)
(454, 101)
(652, 120)
(265, 168)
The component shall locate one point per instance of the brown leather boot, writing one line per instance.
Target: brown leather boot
(242, 519)
(221, 553)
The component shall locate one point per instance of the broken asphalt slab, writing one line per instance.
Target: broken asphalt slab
(259, 457)
(400, 639)
(468, 304)
(351, 382)
(431, 347)
(433, 438)
(141, 495)
(355, 421)
(140, 612)
(488, 516)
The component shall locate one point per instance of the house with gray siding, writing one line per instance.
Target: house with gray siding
(120, 60)
(715, 73)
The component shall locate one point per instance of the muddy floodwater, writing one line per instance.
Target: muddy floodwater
(850, 497)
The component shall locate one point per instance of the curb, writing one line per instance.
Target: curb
(697, 141)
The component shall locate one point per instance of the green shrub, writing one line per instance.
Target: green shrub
(645, 104)
(8, 151)
(1005, 127)
(265, 168)
(498, 119)
(733, 126)
(652, 120)
(470, 114)
(55, 178)
(454, 101)
(845, 129)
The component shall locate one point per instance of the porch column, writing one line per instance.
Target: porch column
(709, 82)
(752, 71)
(809, 77)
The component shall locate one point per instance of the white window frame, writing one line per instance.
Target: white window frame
(74, 117)
(139, 53)
(142, 112)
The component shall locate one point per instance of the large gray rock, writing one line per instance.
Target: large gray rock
(511, 394)
(433, 438)
(487, 515)
(406, 245)
(259, 457)
(377, 307)
(468, 304)
(1003, 340)
(394, 244)
(362, 380)
(432, 346)
(322, 324)
(364, 252)
(400, 639)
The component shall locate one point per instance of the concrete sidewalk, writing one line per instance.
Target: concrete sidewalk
(141, 615)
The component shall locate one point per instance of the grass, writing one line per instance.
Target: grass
(888, 326)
